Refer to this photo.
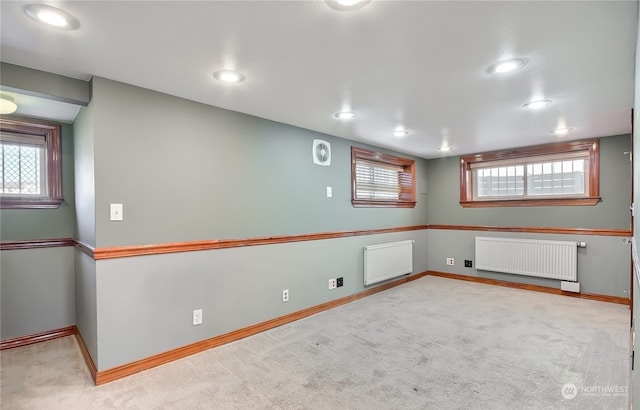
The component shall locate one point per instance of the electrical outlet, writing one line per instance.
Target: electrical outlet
(468, 263)
(285, 295)
(340, 282)
(197, 317)
(332, 283)
(450, 261)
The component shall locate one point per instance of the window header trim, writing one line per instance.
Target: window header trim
(51, 133)
(372, 157)
(469, 162)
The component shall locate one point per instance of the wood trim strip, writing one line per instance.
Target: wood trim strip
(536, 288)
(592, 145)
(37, 338)
(84, 248)
(536, 229)
(590, 201)
(36, 244)
(93, 370)
(154, 249)
(363, 203)
(175, 354)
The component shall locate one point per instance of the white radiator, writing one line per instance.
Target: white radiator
(545, 259)
(387, 260)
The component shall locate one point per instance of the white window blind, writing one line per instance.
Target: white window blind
(381, 180)
(378, 181)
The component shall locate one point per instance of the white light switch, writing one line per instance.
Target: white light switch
(329, 192)
(116, 212)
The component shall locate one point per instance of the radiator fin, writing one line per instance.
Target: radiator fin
(530, 257)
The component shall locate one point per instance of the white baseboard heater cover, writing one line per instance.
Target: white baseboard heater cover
(387, 261)
(530, 257)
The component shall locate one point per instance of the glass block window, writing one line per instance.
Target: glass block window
(556, 174)
(21, 165)
(381, 180)
(507, 181)
(557, 177)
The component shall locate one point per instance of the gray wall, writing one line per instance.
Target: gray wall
(85, 267)
(46, 85)
(85, 216)
(186, 171)
(28, 224)
(37, 285)
(235, 288)
(86, 301)
(611, 213)
(603, 267)
(37, 292)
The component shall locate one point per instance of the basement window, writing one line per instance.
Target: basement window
(547, 175)
(380, 180)
(30, 164)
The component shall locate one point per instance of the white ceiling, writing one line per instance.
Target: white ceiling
(413, 64)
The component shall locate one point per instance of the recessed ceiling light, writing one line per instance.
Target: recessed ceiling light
(52, 16)
(444, 148)
(347, 5)
(507, 66)
(7, 106)
(228, 76)
(345, 115)
(400, 133)
(562, 131)
(536, 105)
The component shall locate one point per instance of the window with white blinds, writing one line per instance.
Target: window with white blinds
(382, 180)
(566, 173)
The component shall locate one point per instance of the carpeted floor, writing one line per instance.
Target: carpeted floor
(433, 343)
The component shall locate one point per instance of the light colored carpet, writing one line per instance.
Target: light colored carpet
(433, 343)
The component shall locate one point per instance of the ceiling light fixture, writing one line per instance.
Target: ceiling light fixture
(507, 66)
(347, 5)
(7, 106)
(536, 105)
(400, 133)
(444, 148)
(345, 115)
(562, 131)
(228, 76)
(51, 16)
